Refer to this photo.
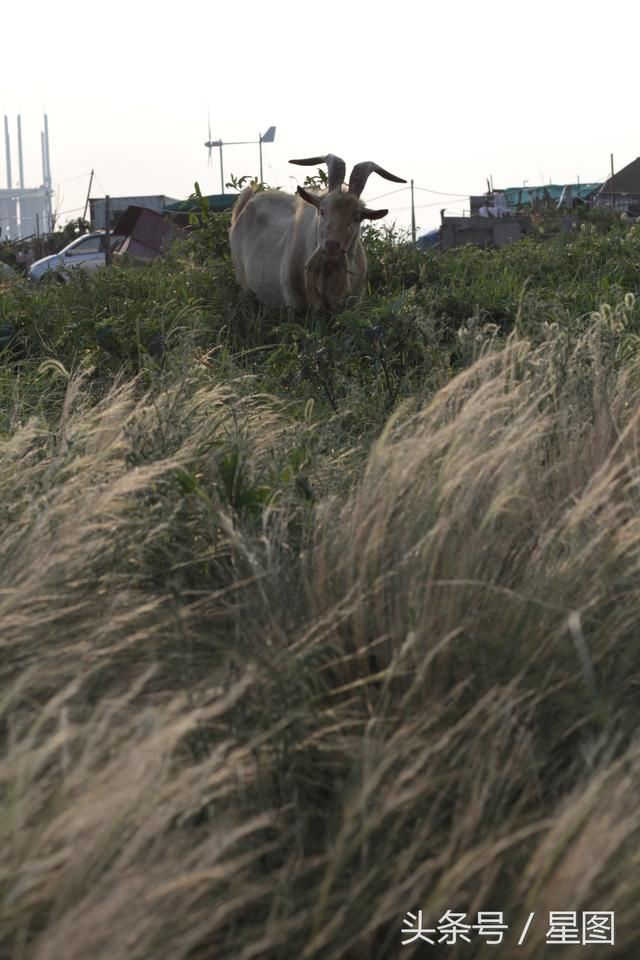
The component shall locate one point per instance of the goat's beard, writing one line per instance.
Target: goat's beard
(327, 280)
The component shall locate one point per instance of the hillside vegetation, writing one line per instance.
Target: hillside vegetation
(307, 627)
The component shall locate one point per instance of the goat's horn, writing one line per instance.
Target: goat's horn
(361, 173)
(335, 165)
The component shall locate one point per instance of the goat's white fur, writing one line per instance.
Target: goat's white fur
(304, 251)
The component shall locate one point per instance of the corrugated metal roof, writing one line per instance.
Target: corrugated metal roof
(525, 196)
(626, 180)
(217, 202)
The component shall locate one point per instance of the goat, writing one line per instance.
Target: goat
(305, 251)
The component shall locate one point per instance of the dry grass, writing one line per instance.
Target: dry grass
(235, 725)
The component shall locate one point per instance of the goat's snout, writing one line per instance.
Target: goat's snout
(332, 247)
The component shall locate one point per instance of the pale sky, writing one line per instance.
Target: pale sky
(446, 93)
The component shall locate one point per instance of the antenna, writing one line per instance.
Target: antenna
(46, 149)
(44, 162)
(46, 171)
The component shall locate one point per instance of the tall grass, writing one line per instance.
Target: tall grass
(266, 690)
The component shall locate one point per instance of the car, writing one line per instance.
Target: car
(86, 253)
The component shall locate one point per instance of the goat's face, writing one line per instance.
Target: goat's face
(339, 219)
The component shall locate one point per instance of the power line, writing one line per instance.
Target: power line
(61, 213)
(99, 184)
(424, 206)
(442, 193)
(82, 176)
(451, 203)
(381, 196)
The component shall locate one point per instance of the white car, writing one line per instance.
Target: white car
(87, 253)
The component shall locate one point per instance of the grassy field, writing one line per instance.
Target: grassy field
(307, 627)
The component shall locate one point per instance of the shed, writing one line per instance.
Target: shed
(622, 190)
(97, 207)
(146, 233)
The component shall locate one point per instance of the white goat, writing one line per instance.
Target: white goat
(304, 251)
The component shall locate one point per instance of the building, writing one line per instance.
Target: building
(527, 199)
(178, 211)
(499, 217)
(483, 231)
(25, 211)
(621, 192)
(98, 208)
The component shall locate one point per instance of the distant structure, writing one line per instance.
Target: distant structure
(499, 217)
(181, 211)
(26, 211)
(98, 207)
(515, 200)
(621, 192)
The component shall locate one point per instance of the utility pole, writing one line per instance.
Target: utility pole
(39, 240)
(84, 215)
(413, 216)
(267, 137)
(107, 230)
(47, 182)
(613, 195)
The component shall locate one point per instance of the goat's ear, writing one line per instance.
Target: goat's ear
(311, 198)
(372, 214)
